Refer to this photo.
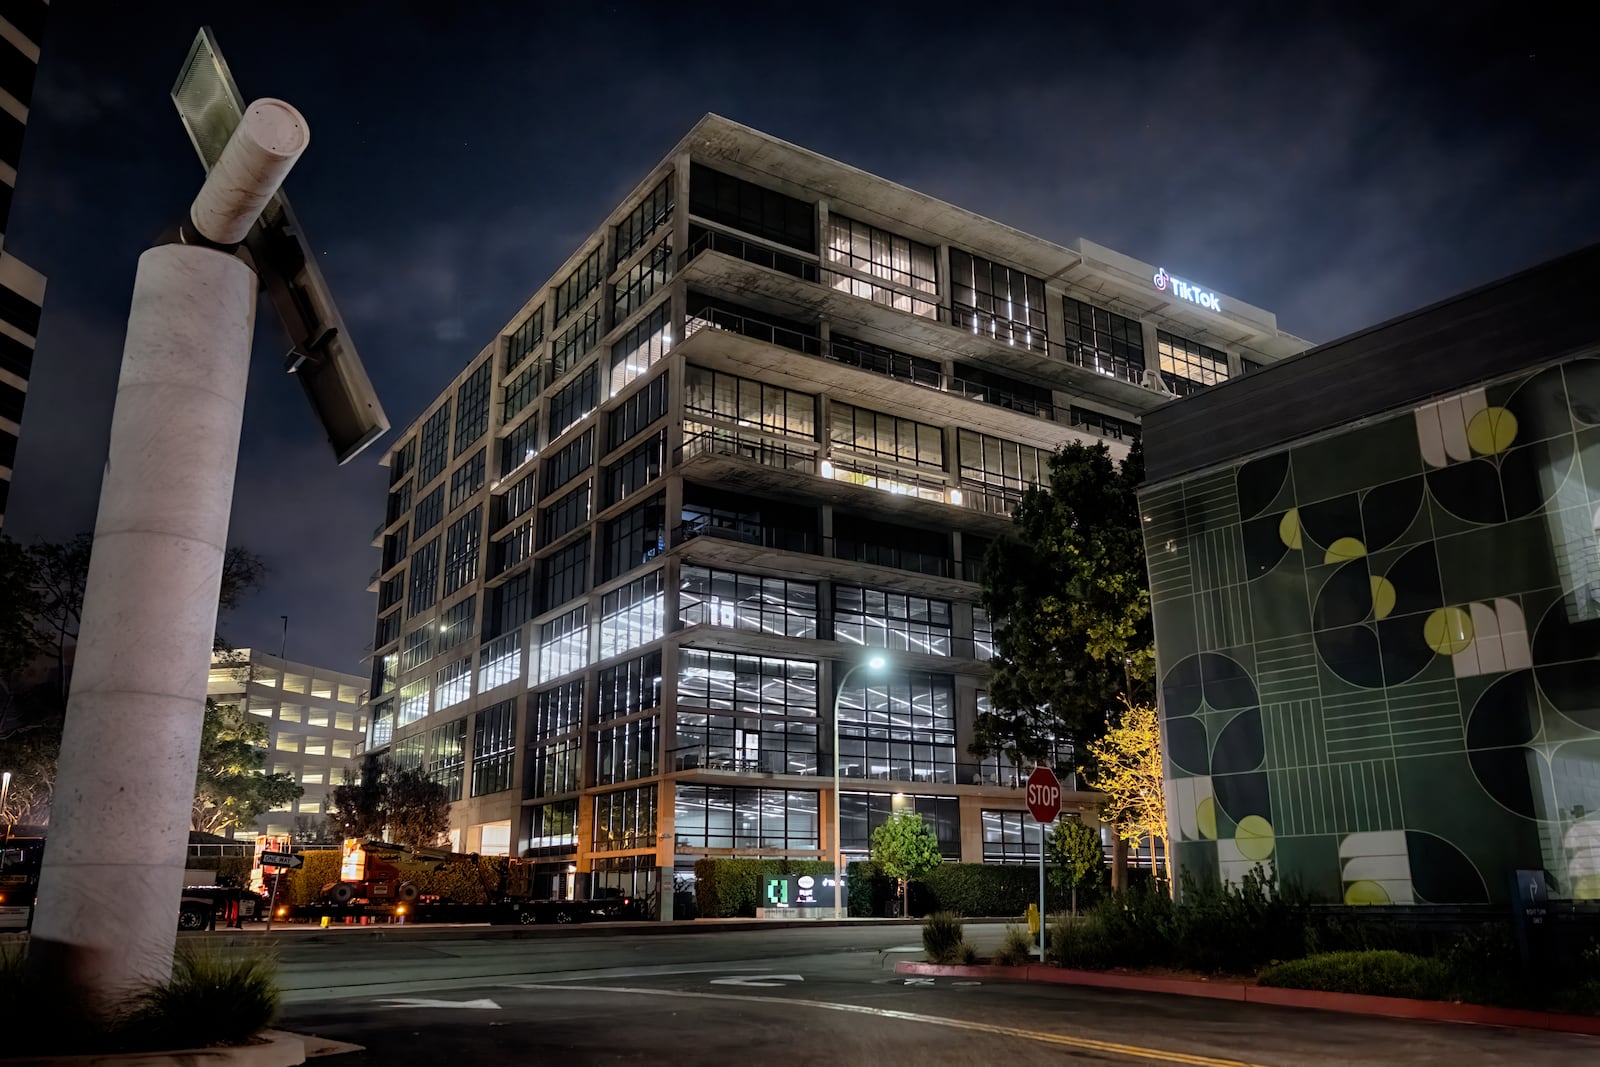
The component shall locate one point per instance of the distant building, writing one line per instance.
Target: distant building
(315, 724)
(765, 421)
(21, 287)
(1375, 578)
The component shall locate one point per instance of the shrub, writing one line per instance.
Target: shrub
(1380, 973)
(212, 998)
(942, 938)
(303, 884)
(967, 954)
(731, 888)
(1017, 948)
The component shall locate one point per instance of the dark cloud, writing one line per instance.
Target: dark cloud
(1337, 164)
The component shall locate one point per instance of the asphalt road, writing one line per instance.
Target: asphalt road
(795, 997)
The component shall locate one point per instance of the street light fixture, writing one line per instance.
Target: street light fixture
(874, 662)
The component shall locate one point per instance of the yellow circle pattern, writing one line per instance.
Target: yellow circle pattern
(1448, 631)
(1254, 837)
(1365, 892)
(1345, 549)
(1491, 431)
(1289, 528)
(1383, 597)
(1205, 813)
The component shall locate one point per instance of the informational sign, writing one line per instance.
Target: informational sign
(353, 861)
(1044, 795)
(1165, 282)
(265, 843)
(798, 891)
(282, 859)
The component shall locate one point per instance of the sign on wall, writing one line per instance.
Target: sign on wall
(1184, 291)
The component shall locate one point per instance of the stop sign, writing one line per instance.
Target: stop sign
(1044, 795)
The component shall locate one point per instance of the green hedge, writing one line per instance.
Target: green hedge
(969, 890)
(1380, 973)
(731, 888)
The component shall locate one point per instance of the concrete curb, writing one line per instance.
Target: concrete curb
(276, 1049)
(1350, 1003)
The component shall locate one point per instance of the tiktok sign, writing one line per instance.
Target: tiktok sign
(1044, 795)
(1184, 291)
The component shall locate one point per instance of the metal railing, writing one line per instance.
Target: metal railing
(749, 532)
(749, 252)
(756, 329)
(745, 446)
(1090, 358)
(733, 760)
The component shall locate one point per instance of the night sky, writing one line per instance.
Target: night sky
(1334, 169)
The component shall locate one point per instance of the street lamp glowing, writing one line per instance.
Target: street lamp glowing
(875, 662)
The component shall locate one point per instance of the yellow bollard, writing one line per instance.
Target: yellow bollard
(1033, 919)
(325, 920)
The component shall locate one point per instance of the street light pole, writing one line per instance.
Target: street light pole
(873, 663)
(5, 789)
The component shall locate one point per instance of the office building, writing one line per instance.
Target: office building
(316, 723)
(1375, 578)
(21, 287)
(763, 422)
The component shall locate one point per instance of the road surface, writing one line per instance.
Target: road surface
(802, 996)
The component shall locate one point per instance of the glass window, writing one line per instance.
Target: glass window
(435, 449)
(1004, 467)
(739, 743)
(447, 756)
(500, 661)
(722, 198)
(625, 751)
(429, 512)
(381, 728)
(641, 347)
(749, 602)
(564, 644)
(557, 711)
(564, 575)
(641, 281)
(511, 548)
(902, 270)
(453, 684)
(1010, 837)
(569, 462)
(472, 407)
(1104, 336)
(468, 478)
(625, 819)
(555, 826)
(395, 546)
(1249, 366)
(751, 403)
(518, 393)
(583, 280)
(885, 361)
(982, 635)
(565, 515)
(524, 339)
(575, 401)
(1187, 366)
(726, 817)
(493, 748)
(409, 751)
(555, 768)
(399, 504)
(575, 342)
(638, 411)
(424, 578)
(462, 541)
(457, 623)
(641, 222)
(636, 469)
(997, 301)
(385, 673)
(516, 501)
(901, 729)
(402, 460)
(886, 436)
(630, 687)
(880, 618)
(750, 685)
(630, 616)
(510, 605)
(520, 445)
(1091, 421)
(413, 702)
(862, 813)
(633, 538)
(388, 625)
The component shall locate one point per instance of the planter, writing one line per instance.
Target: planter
(274, 1049)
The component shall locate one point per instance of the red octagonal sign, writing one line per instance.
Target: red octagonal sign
(1044, 795)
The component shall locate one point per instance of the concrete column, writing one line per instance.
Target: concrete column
(109, 889)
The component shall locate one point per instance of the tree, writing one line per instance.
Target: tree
(230, 788)
(61, 572)
(357, 808)
(30, 756)
(1125, 765)
(1065, 590)
(904, 847)
(418, 808)
(1077, 860)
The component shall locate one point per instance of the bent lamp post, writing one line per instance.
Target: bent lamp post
(111, 880)
(872, 663)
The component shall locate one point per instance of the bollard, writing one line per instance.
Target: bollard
(325, 921)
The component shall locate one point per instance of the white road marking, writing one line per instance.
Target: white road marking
(483, 1004)
(768, 980)
(919, 981)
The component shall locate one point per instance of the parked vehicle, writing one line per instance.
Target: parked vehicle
(205, 906)
(528, 912)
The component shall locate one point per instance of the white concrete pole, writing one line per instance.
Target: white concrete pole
(113, 871)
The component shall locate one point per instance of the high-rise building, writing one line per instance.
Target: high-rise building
(762, 425)
(316, 723)
(21, 287)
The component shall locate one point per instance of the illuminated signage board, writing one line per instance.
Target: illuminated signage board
(1184, 291)
(799, 891)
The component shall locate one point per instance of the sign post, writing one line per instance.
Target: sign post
(1044, 804)
(278, 861)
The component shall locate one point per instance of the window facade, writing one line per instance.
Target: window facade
(575, 287)
(555, 826)
(641, 347)
(749, 602)
(424, 578)
(726, 817)
(467, 479)
(748, 685)
(641, 281)
(625, 751)
(564, 575)
(457, 623)
(429, 511)
(885, 361)
(564, 644)
(462, 542)
(575, 342)
(862, 813)
(434, 451)
(453, 684)
(565, 515)
(447, 756)
(571, 461)
(1010, 837)
(738, 743)
(515, 502)
(557, 711)
(518, 393)
(380, 729)
(995, 465)
(493, 748)
(996, 301)
(418, 648)
(519, 446)
(556, 768)
(635, 537)
(631, 615)
(625, 819)
(510, 604)
(1098, 422)
(635, 413)
(1187, 366)
(743, 205)
(637, 468)
(872, 433)
(982, 634)
(575, 400)
(885, 267)
(511, 549)
(413, 702)
(729, 398)
(405, 458)
(1105, 340)
(641, 222)
(629, 688)
(500, 661)
(472, 407)
(900, 730)
(524, 340)
(878, 618)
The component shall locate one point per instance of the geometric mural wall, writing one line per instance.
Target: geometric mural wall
(1379, 650)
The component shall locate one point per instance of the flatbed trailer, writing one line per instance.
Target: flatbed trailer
(498, 913)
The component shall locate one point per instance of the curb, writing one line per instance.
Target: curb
(1349, 1003)
(276, 1049)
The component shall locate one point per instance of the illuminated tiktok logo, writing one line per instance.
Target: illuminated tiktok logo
(1184, 291)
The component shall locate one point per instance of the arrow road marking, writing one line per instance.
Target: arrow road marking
(767, 980)
(919, 981)
(484, 1004)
